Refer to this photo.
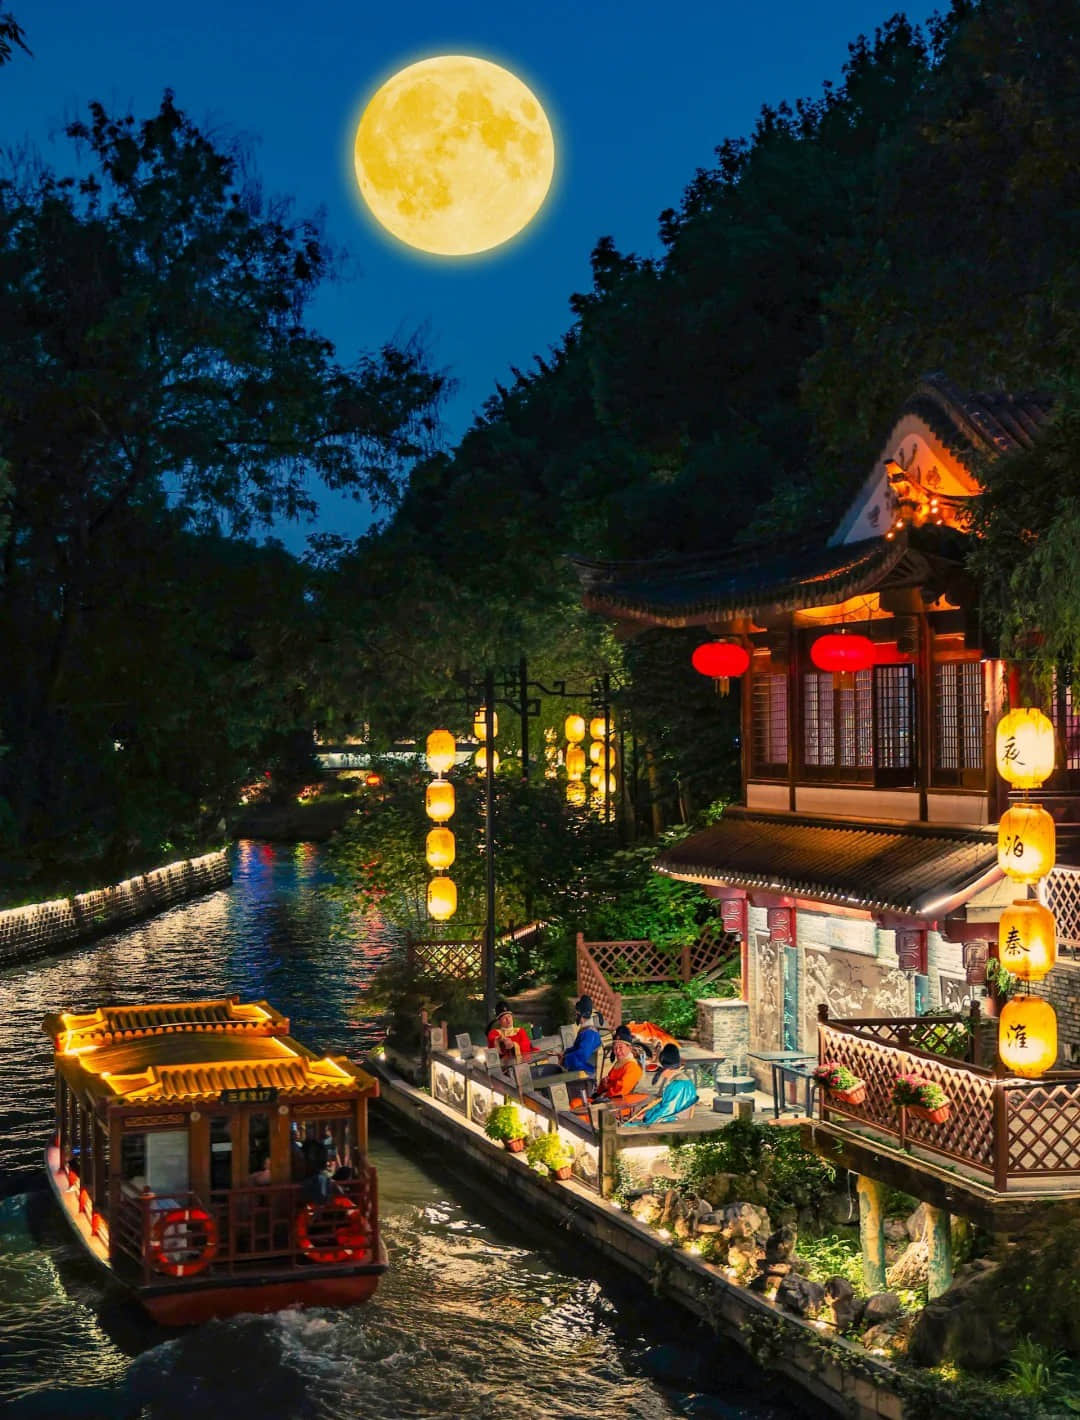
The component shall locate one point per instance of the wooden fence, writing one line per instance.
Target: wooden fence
(604, 967)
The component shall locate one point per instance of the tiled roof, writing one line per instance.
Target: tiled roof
(922, 870)
(680, 592)
(78, 1030)
(994, 423)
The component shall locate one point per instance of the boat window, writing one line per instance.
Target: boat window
(133, 1157)
(167, 1161)
(258, 1142)
(220, 1151)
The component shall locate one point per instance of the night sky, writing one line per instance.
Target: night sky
(639, 95)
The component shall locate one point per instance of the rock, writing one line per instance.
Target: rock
(745, 1220)
(890, 1337)
(780, 1246)
(912, 1267)
(841, 1309)
(702, 1207)
(767, 1283)
(837, 1208)
(797, 1294)
(882, 1306)
(915, 1225)
(669, 1209)
(707, 1228)
(893, 1251)
(646, 1208)
(744, 1256)
(963, 1326)
(895, 1230)
(717, 1189)
(681, 1226)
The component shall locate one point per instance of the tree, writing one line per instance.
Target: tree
(157, 376)
(11, 35)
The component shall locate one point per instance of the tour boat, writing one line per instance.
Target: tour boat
(194, 1147)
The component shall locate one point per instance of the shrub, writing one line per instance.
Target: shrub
(504, 1122)
(547, 1152)
(791, 1177)
(913, 1089)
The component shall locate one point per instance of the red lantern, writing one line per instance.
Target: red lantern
(842, 653)
(721, 659)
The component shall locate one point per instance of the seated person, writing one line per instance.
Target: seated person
(582, 1054)
(512, 1042)
(318, 1187)
(583, 1012)
(675, 1089)
(650, 1038)
(624, 1076)
(262, 1175)
(354, 1169)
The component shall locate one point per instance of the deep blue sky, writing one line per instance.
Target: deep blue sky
(638, 93)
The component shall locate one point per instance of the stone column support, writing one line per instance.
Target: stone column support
(939, 1251)
(872, 1231)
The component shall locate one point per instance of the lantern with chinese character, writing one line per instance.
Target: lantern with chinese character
(479, 723)
(1027, 1036)
(1027, 940)
(1025, 748)
(439, 800)
(441, 751)
(441, 898)
(721, 660)
(575, 728)
(575, 762)
(480, 759)
(440, 848)
(576, 793)
(1026, 843)
(842, 653)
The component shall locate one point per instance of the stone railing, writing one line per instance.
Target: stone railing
(44, 927)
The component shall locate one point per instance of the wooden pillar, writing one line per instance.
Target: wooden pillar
(199, 1154)
(101, 1143)
(115, 1126)
(939, 1246)
(361, 1125)
(280, 1145)
(872, 1231)
(607, 1151)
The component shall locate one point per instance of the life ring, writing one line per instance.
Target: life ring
(349, 1235)
(196, 1254)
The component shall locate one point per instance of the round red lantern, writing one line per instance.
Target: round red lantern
(721, 659)
(842, 653)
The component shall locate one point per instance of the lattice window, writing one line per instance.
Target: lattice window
(1060, 891)
(894, 717)
(769, 720)
(838, 720)
(1065, 713)
(958, 715)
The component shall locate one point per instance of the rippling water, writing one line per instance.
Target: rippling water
(474, 1319)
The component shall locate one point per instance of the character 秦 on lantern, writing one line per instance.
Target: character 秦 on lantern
(1027, 940)
(1027, 1036)
(1027, 843)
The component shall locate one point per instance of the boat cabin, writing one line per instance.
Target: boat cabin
(212, 1163)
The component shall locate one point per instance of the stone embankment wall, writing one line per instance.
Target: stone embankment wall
(44, 927)
(1062, 989)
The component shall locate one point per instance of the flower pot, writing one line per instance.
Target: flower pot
(516, 1146)
(856, 1095)
(564, 1173)
(932, 1116)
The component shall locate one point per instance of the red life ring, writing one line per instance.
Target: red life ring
(349, 1236)
(196, 1254)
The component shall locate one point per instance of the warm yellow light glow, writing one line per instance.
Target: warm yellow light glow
(479, 723)
(1027, 940)
(1027, 843)
(597, 751)
(575, 728)
(598, 728)
(440, 848)
(480, 759)
(575, 793)
(439, 800)
(1027, 1036)
(575, 762)
(441, 751)
(441, 898)
(1025, 748)
(454, 155)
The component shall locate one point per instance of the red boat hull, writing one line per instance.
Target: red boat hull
(194, 1306)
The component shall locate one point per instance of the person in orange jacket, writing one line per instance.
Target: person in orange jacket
(624, 1076)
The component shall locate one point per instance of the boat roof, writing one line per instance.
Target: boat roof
(190, 1051)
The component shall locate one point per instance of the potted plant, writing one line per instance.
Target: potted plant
(549, 1155)
(921, 1097)
(840, 1082)
(505, 1124)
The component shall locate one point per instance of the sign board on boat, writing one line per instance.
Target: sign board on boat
(254, 1094)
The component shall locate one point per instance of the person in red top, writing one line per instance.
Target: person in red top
(512, 1042)
(624, 1076)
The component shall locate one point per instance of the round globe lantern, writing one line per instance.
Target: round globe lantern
(1025, 748)
(440, 848)
(1027, 940)
(480, 760)
(721, 660)
(439, 800)
(441, 751)
(1027, 843)
(842, 653)
(575, 762)
(599, 729)
(479, 723)
(441, 898)
(599, 750)
(575, 728)
(1028, 1036)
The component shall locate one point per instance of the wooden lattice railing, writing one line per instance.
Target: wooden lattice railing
(436, 959)
(604, 967)
(591, 981)
(1008, 1129)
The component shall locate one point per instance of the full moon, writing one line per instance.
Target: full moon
(454, 155)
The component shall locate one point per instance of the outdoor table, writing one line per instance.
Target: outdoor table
(789, 1065)
(696, 1060)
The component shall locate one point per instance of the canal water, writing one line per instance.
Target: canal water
(475, 1319)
